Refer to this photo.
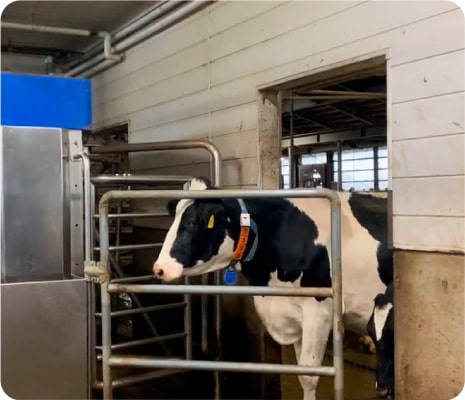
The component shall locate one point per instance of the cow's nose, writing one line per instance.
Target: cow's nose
(158, 271)
(382, 392)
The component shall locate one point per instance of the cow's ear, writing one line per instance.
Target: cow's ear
(211, 211)
(171, 207)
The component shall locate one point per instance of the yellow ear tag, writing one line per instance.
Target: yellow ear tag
(211, 222)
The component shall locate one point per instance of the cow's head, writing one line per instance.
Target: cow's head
(381, 330)
(198, 240)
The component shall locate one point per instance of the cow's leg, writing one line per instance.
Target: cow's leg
(368, 344)
(316, 325)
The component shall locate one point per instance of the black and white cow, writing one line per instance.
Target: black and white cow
(380, 327)
(292, 249)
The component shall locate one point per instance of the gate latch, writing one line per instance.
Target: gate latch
(95, 271)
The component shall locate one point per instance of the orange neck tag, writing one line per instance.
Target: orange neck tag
(241, 243)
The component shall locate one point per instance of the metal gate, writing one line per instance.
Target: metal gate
(108, 286)
(92, 235)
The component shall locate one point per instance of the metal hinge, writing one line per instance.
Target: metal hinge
(95, 271)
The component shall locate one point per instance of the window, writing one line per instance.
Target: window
(285, 172)
(316, 158)
(358, 169)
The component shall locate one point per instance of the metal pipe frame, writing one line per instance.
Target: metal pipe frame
(138, 304)
(109, 361)
(88, 256)
(137, 179)
(129, 380)
(141, 342)
(136, 215)
(169, 145)
(216, 181)
(145, 309)
(133, 247)
(149, 362)
(221, 290)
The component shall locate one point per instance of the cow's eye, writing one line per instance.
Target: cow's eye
(190, 223)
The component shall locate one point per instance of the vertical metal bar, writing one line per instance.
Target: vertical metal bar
(339, 165)
(88, 256)
(118, 230)
(338, 360)
(91, 286)
(219, 348)
(204, 316)
(106, 305)
(290, 149)
(376, 167)
(188, 322)
(217, 299)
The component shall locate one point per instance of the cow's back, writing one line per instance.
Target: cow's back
(362, 228)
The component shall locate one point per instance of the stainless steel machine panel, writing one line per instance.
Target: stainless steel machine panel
(36, 224)
(44, 340)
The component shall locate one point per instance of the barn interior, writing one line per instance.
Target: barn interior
(341, 118)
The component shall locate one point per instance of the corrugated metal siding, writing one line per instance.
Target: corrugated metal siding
(199, 79)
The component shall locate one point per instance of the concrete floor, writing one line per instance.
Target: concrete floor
(359, 383)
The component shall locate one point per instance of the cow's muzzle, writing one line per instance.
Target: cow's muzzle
(384, 392)
(166, 273)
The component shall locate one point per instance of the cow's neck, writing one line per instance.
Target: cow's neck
(286, 242)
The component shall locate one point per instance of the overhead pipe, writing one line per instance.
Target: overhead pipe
(135, 24)
(46, 29)
(107, 47)
(135, 39)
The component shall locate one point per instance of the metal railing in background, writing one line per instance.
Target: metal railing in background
(215, 172)
(108, 286)
(134, 180)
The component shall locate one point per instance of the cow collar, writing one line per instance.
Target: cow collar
(247, 224)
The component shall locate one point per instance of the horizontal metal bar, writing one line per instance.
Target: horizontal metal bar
(146, 376)
(218, 194)
(133, 247)
(138, 179)
(130, 311)
(219, 290)
(141, 342)
(130, 279)
(136, 215)
(149, 362)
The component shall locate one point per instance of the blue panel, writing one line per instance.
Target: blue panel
(45, 101)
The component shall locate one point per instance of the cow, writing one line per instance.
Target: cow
(380, 328)
(287, 244)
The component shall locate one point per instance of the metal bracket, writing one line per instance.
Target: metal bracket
(95, 271)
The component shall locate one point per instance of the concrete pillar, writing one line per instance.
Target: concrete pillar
(429, 325)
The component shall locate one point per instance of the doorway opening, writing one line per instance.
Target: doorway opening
(329, 128)
(334, 133)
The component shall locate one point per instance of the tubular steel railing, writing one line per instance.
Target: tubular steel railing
(91, 234)
(107, 287)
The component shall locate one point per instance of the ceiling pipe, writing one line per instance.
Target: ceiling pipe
(135, 24)
(46, 29)
(138, 37)
(107, 47)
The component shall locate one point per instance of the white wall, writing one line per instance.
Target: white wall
(199, 79)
